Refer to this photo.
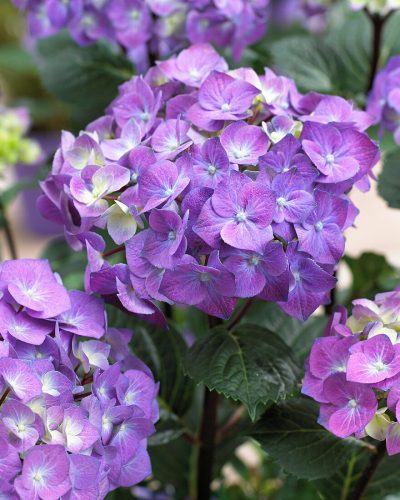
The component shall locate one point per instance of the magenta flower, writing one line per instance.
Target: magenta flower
(321, 233)
(161, 185)
(85, 317)
(384, 99)
(193, 65)
(210, 288)
(166, 241)
(45, 473)
(23, 426)
(240, 212)
(210, 164)
(19, 378)
(253, 269)
(376, 359)
(309, 285)
(293, 202)
(351, 406)
(33, 285)
(21, 326)
(329, 151)
(245, 144)
(222, 98)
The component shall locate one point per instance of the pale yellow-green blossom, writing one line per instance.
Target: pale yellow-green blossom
(14, 146)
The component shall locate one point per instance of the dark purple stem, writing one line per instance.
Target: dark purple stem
(8, 233)
(369, 471)
(114, 251)
(4, 396)
(207, 436)
(207, 445)
(378, 24)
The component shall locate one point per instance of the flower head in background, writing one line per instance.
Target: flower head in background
(151, 29)
(214, 185)
(75, 403)
(353, 371)
(381, 7)
(14, 146)
(384, 99)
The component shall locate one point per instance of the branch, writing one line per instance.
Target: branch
(240, 315)
(378, 23)
(369, 471)
(8, 233)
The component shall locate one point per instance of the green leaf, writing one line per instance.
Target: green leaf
(371, 274)
(86, 78)
(338, 62)
(389, 179)
(163, 351)
(290, 434)
(299, 335)
(166, 430)
(68, 264)
(341, 485)
(251, 365)
(311, 62)
(7, 196)
(171, 465)
(120, 494)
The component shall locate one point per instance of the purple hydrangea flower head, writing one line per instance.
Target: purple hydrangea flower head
(384, 99)
(153, 29)
(69, 389)
(214, 185)
(353, 371)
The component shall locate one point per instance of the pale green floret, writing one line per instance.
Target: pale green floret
(254, 260)
(379, 366)
(241, 216)
(134, 15)
(352, 403)
(319, 226)
(87, 21)
(37, 476)
(296, 276)
(211, 169)
(21, 427)
(225, 107)
(172, 143)
(239, 153)
(145, 116)
(172, 235)
(329, 159)
(281, 202)
(168, 192)
(204, 277)
(14, 148)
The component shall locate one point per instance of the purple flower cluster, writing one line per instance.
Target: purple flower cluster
(72, 425)
(149, 29)
(311, 13)
(384, 99)
(354, 371)
(216, 184)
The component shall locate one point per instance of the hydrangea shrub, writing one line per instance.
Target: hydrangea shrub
(76, 407)
(215, 185)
